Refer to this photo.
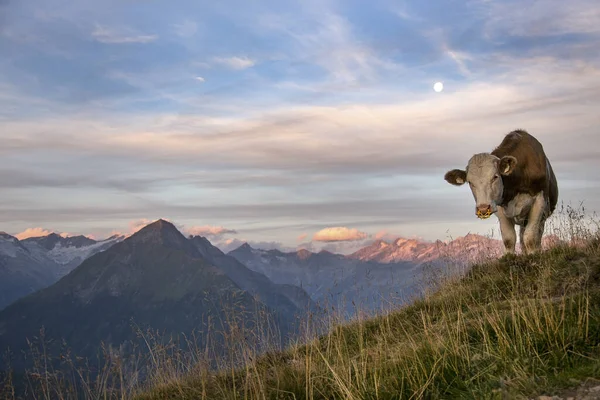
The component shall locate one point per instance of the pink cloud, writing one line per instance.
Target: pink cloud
(32, 232)
(39, 231)
(339, 234)
(302, 237)
(138, 224)
(386, 236)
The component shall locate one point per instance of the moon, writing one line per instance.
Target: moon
(438, 86)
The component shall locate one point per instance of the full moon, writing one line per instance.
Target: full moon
(438, 86)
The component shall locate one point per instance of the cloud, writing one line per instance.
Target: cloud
(209, 231)
(386, 236)
(339, 234)
(32, 232)
(199, 79)
(548, 18)
(302, 237)
(114, 36)
(137, 225)
(237, 63)
(406, 135)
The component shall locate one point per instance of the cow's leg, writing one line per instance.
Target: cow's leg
(521, 234)
(541, 232)
(507, 230)
(535, 224)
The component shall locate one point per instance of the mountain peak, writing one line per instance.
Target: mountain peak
(6, 236)
(205, 247)
(156, 229)
(160, 224)
(303, 254)
(243, 248)
(379, 244)
(161, 232)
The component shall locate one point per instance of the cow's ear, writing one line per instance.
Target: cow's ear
(507, 165)
(456, 177)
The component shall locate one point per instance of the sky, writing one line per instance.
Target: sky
(285, 124)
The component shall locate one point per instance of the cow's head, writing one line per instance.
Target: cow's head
(484, 175)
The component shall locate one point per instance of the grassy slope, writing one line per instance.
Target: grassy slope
(512, 328)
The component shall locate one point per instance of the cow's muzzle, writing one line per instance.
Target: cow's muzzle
(484, 211)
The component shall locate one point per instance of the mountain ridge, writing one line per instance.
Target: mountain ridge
(157, 277)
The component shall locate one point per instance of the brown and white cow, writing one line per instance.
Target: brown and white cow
(516, 182)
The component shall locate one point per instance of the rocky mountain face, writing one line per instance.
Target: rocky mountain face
(332, 280)
(465, 249)
(35, 263)
(154, 279)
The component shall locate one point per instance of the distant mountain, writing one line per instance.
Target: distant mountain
(21, 270)
(157, 279)
(374, 274)
(69, 252)
(335, 280)
(254, 282)
(35, 263)
(462, 250)
(52, 240)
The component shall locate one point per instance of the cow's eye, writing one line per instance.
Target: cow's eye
(494, 178)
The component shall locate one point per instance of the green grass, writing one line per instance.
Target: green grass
(512, 328)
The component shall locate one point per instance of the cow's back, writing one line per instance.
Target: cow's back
(533, 172)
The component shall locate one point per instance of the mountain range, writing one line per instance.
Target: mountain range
(383, 273)
(464, 249)
(35, 263)
(334, 280)
(156, 279)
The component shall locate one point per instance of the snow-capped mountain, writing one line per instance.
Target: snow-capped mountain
(69, 252)
(466, 249)
(462, 250)
(35, 263)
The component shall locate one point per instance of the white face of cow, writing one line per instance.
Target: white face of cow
(484, 177)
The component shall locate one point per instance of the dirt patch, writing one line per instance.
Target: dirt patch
(588, 390)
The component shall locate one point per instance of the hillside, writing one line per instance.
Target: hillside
(517, 327)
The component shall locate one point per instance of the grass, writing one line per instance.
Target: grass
(511, 328)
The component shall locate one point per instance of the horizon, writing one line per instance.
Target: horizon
(228, 246)
(285, 125)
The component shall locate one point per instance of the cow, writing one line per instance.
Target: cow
(516, 182)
